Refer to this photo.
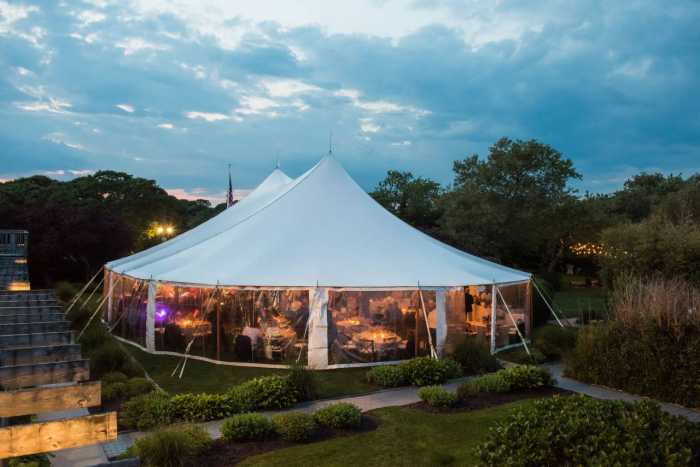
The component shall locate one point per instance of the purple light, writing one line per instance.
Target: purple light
(161, 314)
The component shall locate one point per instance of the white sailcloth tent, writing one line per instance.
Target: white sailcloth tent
(324, 240)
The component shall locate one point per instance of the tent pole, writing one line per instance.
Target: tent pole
(151, 316)
(433, 353)
(517, 329)
(494, 298)
(546, 302)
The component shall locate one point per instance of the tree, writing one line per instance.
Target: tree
(642, 193)
(414, 200)
(511, 205)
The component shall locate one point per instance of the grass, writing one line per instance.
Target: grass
(574, 302)
(207, 377)
(405, 437)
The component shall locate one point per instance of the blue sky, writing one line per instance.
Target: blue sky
(176, 90)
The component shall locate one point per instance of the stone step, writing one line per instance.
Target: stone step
(43, 354)
(12, 341)
(34, 328)
(20, 376)
(31, 317)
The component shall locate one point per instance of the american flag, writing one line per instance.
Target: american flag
(229, 196)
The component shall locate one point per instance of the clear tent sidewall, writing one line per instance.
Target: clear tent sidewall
(321, 327)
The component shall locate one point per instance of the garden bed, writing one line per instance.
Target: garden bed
(224, 453)
(484, 400)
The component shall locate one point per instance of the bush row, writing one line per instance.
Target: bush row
(596, 432)
(262, 393)
(419, 371)
(179, 445)
(291, 426)
(646, 359)
(117, 386)
(516, 378)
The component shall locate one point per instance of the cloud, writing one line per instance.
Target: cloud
(606, 84)
(126, 108)
(207, 116)
(59, 138)
(195, 194)
(133, 45)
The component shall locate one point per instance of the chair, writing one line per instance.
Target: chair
(244, 348)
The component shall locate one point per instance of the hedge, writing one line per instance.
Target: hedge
(578, 430)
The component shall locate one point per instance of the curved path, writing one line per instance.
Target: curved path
(93, 455)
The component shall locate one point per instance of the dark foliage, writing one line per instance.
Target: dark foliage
(578, 430)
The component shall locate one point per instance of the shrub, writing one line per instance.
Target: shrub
(493, 382)
(339, 416)
(146, 411)
(114, 377)
(526, 377)
(424, 371)
(240, 399)
(303, 381)
(554, 341)
(295, 426)
(113, 391)
(645, 360)
(248, 427)
(65, 291)
(516, 378)
(437, 396)
(474, 356)
(270, 392)
(110, 357)
(520, 356)
(33, 460)
(199, 407)
(597, 433)
(173, 447)
(388, 376)
(137, 386)
(94, 337)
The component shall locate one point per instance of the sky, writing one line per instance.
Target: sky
(177, 90)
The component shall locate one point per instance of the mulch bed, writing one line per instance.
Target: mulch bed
(224, 454)
(491, 399)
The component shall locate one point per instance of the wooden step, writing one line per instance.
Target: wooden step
(31, 317)
(50, 399)
(22, 376)
(30, 340)
(43, 354)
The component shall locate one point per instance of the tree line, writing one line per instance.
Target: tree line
(516, 205)
(76, 226)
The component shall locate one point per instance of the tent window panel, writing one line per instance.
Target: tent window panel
(373, 326)
(180, 317)
(129, 301)
(477, 311)
(456, 304)
(262, 326)
(517, 299)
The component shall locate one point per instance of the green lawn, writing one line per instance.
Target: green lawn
(207, 377)
(405, 437)
(573, 302)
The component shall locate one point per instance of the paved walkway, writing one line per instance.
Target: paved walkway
(93, 455)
